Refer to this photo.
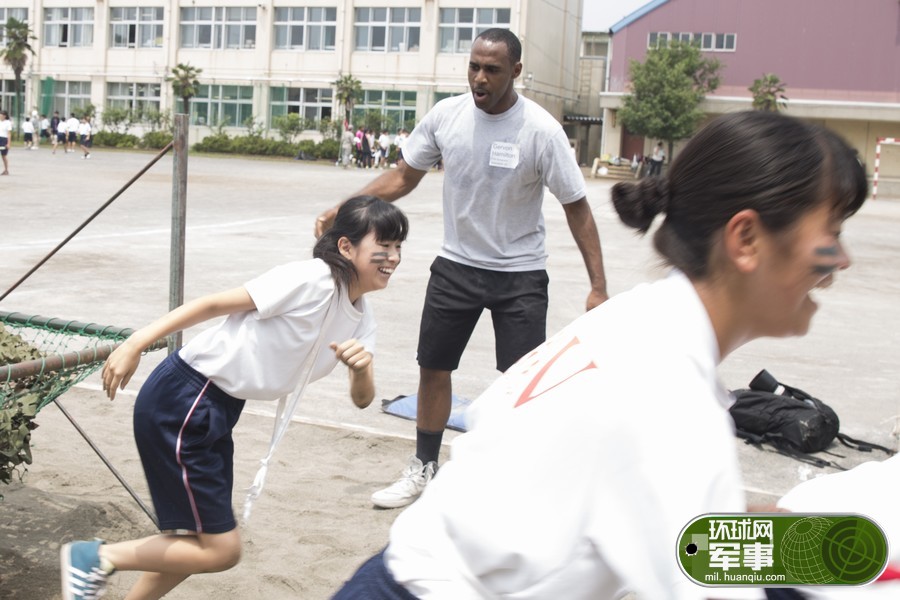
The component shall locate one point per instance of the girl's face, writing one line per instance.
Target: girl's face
(805, 258)
(375, 261)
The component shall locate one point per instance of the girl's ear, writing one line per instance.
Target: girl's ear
(345, 246)
(743, 237)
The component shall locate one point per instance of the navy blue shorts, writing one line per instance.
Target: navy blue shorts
(4, 146)
(372, 581)
(73, 136)
(182, 426)
(454, 300)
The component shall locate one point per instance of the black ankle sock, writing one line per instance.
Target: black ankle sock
(428, 445)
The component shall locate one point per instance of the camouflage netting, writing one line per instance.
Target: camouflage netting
(40, 359)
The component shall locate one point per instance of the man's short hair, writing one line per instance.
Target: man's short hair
(498, 34)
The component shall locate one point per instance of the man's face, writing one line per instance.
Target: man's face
(491, 76)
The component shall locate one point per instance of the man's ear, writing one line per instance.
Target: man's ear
(517, 70)
(743, 237)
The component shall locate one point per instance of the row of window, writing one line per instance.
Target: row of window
(711, 42)
(225, 104)
(376, 29)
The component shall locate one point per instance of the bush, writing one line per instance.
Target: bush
(330, 149)
(217, 142)
(155, 140)
(114, 139)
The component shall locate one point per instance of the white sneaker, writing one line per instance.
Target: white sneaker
(409, 487)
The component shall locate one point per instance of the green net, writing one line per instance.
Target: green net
(41, 358)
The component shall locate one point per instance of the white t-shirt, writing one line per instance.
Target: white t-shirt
(872, 490)
(72, 124)
(260, 354)
(61, 127)
(27, 127)
(496, 169)
(5, 128)
(582, 464)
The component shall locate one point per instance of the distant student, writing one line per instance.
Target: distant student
(84, 137)
(60, 137)
(45, 130)
(5, 130)
(72, 132)
(28, 133)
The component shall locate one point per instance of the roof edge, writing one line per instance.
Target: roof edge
(637, 14)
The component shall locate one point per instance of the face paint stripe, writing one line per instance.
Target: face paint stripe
(827, 251)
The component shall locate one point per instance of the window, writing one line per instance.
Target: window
(136, 27)
(300, 28)
(398, 109)
(139, 98)
(218, 27)
(226, 105)
(69, 96)
(8, 94)
(387, 29)
(68, 27)
(709, 42)
(310, 103)
(460, 26)
(593, 48)
(20, 14)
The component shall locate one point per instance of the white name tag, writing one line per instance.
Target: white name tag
(504, 155)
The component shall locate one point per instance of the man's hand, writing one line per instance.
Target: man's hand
(325, 221)
(595, 299)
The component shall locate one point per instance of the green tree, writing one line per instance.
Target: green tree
(289, 126)
(347, 90)
(666, 92)
(185, 83)
(15, 54)
(768, 93)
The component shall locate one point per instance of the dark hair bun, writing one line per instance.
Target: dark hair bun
(638, 203)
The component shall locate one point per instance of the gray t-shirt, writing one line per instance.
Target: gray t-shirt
(496, 168)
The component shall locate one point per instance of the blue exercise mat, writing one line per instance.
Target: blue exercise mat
(406, 407)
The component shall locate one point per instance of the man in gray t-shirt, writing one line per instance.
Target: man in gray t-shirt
(499, 151)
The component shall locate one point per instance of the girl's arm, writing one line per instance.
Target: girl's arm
(362, 378)
(124, 360)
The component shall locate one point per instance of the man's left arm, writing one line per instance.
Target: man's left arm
(584, 230)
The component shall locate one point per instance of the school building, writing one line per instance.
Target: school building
(265, 58)
(839, 61)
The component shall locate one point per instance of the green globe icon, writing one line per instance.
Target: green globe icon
(801, 550)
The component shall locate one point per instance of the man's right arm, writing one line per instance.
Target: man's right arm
(389, 186)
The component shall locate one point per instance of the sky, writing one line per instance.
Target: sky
(600, 15)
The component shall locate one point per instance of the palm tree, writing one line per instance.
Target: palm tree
(15, 54)
(768, 93)
(348, 90)
(185, 84)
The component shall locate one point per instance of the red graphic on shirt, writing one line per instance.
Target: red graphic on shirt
(526, 394)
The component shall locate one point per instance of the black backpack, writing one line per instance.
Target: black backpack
(789, 419)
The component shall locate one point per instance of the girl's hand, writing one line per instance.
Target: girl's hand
(352, 354)
(119, 367)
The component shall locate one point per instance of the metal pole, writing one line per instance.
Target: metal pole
(109, 465)
(179, 218)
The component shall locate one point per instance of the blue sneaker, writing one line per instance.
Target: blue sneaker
(81, 575)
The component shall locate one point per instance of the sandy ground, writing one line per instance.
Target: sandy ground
(314, 524)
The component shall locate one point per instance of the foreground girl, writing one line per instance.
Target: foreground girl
(585, 460)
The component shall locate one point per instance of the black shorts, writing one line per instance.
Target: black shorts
(182, 427)
(73, 136)
(27, 137)
(45, 135)
(456, 296)
(86, 141)
(4, 146)
(373, 581)
(61, 137)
